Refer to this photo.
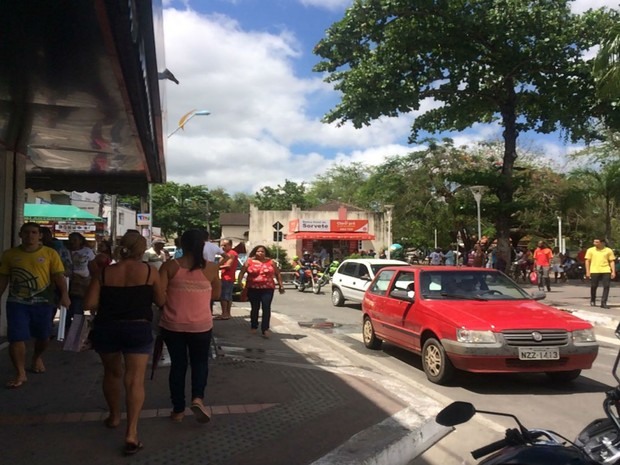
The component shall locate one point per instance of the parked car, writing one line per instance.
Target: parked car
(474, 319)
(353, 277)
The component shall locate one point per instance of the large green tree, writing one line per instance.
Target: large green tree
(518, 62)
(282, 197)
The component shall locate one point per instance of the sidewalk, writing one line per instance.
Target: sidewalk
(287, 400)
(274, 401)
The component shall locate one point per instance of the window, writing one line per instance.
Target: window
(121, 218)
(382, 282)
(363, 271)
(350, 269)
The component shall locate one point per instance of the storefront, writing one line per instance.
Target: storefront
(339, 237)
(340, 229)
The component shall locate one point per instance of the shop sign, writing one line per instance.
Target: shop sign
(293, 226)
(143, 219)
(313, 225)
(359, 226)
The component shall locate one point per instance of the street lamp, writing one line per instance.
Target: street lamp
(388, 215)
(185, 118)
(478, 191)
(560, 235)
(182, 122)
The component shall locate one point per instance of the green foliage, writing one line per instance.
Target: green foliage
(341, 182)
(282, 257)
(519, 62)
(283, 197)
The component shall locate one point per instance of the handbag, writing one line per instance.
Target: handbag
(77, 338)
(534, 277)
(243, 297)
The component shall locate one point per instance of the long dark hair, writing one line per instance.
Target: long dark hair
(192, 243)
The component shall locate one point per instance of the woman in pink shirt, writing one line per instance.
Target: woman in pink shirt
(190, 283)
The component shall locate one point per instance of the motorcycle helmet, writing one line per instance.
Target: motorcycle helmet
(306, 253)
(295, 258)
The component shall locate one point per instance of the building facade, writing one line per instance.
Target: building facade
(338, 228)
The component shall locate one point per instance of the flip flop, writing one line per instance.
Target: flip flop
(15, 383)
(201, 413)
(219, 317)
(132, 448)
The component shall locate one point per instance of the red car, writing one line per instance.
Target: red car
(473, 319)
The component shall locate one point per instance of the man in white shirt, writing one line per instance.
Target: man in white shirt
(210, 250)
(155, 255)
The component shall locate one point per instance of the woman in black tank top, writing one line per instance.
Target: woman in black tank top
(122, 298)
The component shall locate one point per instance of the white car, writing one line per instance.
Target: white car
(353, 277)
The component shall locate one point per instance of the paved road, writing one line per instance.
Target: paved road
(539, 403)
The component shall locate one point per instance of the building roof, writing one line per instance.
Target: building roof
(334, 205)
(235, 219)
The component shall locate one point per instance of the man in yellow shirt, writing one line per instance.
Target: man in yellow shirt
(600, 268)
(30, 271)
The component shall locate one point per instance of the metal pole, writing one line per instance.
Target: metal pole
(479, 225)
(388, 212)
(560, 234)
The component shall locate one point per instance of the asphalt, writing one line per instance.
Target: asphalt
(291, 399)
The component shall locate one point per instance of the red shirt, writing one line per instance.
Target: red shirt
(228, 274)
(542, 257)
(261, 274)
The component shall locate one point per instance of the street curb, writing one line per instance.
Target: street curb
(597, 319)
(394, 441)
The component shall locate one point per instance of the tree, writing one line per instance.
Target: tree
(179, 207)
(607, 67)
(519, 62)
(282, 197)
(340, 182)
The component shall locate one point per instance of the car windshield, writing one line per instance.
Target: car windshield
(377, 267)
(469, 285)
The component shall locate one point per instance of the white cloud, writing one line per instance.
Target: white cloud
(579, 6)
(332, 5)
(259, 109)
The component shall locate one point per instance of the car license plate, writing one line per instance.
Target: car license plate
(539, 353)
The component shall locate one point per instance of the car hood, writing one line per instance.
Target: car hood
(503, 315)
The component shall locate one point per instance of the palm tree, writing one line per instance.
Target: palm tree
(607, 66)
(603, 184)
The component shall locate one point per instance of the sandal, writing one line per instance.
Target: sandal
(132, 448)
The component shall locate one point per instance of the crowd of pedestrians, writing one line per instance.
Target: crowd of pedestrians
(126, 290)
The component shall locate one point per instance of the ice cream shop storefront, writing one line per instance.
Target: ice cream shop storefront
(339, 229)
(338, 237)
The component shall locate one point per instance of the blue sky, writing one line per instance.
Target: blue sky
(249, 62)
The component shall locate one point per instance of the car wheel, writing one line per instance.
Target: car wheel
(337, 298)
(368, 334)
(563, 376)
(437, 365)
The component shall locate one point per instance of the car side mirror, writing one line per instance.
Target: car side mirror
(538, 295)
(402, 294)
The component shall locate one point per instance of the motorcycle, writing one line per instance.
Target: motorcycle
(326, 274)
(311, 279)
(598, 443)
(575, 271)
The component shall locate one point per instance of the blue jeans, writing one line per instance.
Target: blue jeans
(258, 298)
(179, 345)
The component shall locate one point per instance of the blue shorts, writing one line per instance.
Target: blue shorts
(126, 336)
(25, 322)
(227, 290)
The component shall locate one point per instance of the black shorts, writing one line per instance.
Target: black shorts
(126, 336)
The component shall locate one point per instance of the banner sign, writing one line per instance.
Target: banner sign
(143, 219)
(360, 226)
(313, 225)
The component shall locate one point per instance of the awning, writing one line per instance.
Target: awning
(331, 236)
(45, 211)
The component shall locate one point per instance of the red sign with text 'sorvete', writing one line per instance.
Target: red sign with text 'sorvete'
(360, 226)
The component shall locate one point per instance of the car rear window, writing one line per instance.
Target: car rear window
(377, 267)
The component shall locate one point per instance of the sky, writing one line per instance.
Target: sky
(249, 63)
